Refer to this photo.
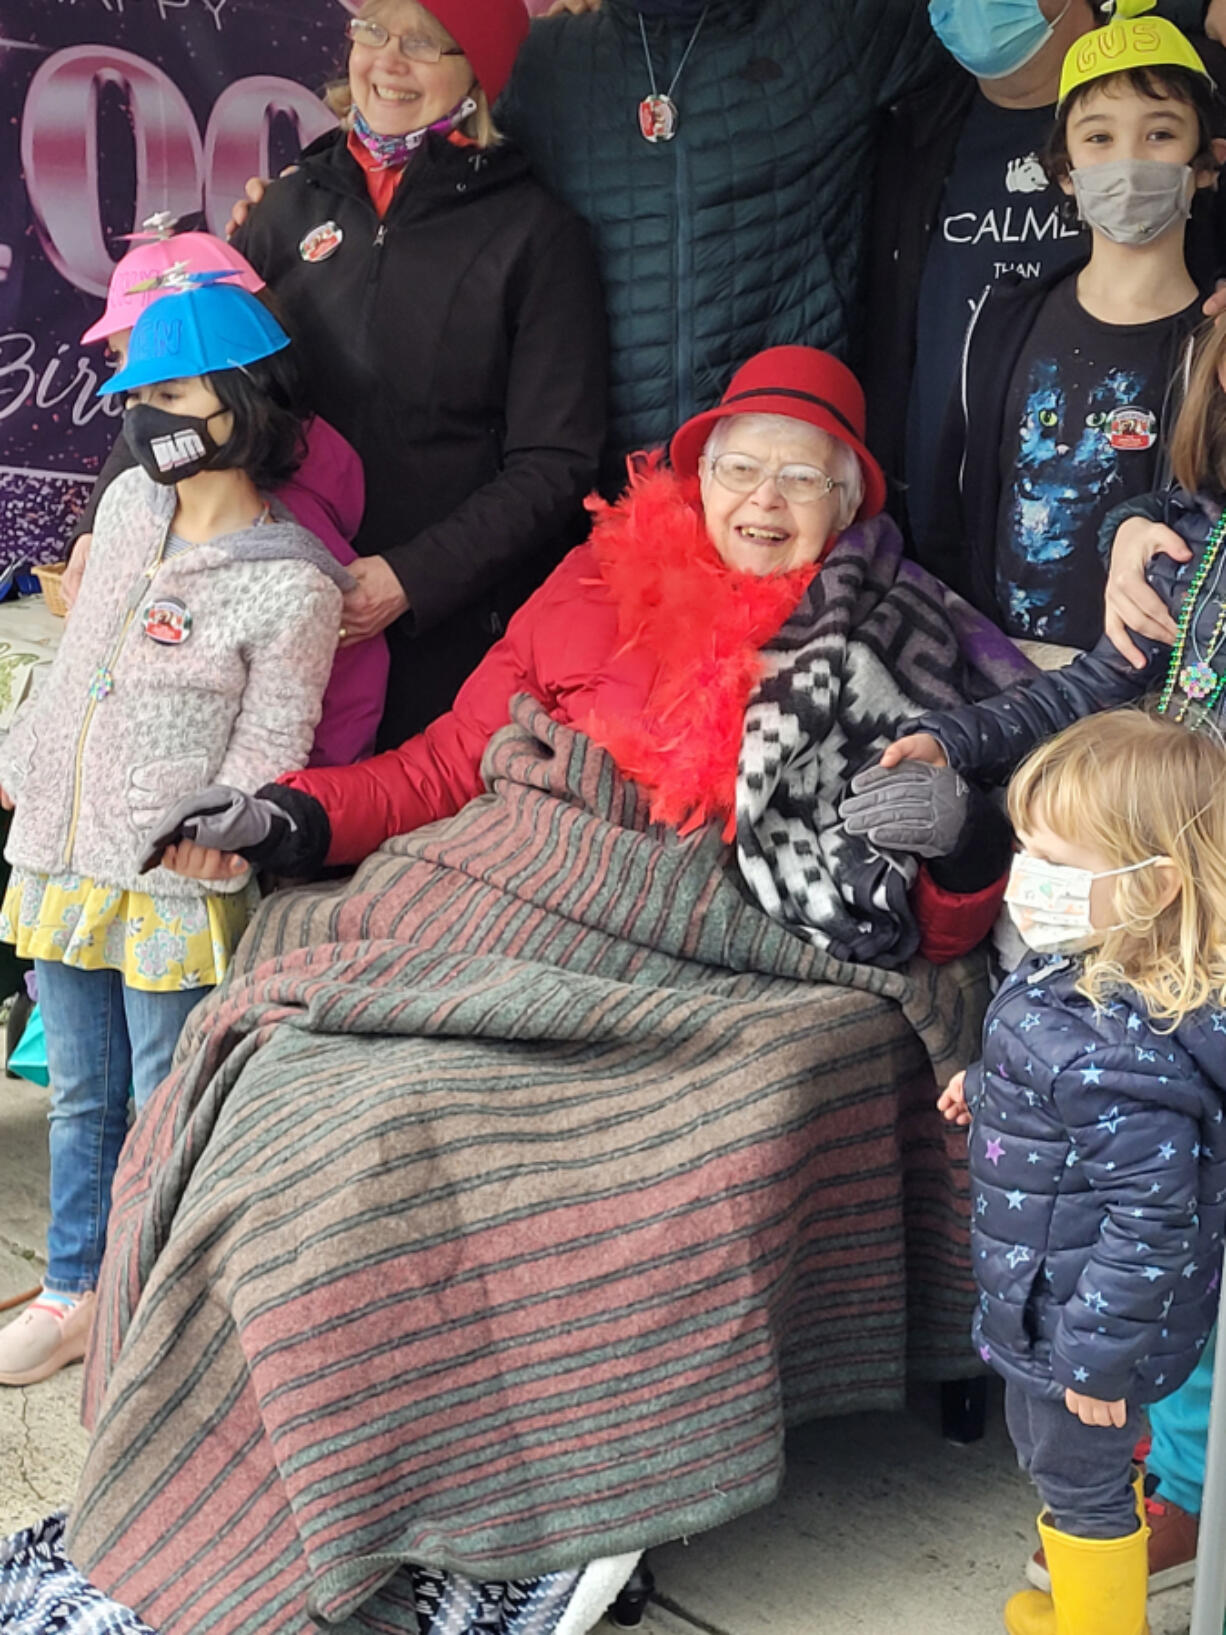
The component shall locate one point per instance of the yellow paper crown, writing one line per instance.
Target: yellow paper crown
(1129, 40)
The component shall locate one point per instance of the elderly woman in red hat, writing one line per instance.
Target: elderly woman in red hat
(451, 324)
(749, 595)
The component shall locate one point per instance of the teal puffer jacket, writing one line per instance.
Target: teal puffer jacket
(748, 229)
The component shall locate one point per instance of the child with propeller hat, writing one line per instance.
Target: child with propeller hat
(199, 649)
(325, 493)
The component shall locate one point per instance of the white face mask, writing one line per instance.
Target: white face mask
(1049, 903)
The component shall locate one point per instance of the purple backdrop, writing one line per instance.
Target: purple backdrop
(111, 110)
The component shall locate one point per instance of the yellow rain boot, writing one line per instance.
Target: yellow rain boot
(1098, 1587)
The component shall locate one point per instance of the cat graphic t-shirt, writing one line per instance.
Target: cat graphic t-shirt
(998, 214)
(1082, 420)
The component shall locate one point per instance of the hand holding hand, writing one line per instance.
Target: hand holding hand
(1094, 1411)
(376, 600)
(73, 574)
(916, 746)
(202, 862)
(920, 808)
(1132, 604)
(951, 1103)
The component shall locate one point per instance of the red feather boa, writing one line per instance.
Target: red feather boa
(704, 624)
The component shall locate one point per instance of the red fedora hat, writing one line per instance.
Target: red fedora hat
(803, 384)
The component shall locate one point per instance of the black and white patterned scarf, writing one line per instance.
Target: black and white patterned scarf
(875, 642)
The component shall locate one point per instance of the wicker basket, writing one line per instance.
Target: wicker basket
(51, 578)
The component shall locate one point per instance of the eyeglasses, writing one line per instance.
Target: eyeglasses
(742, 474)
(375, 37)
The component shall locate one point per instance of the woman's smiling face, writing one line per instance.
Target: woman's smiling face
(394, 94)
(761, 531)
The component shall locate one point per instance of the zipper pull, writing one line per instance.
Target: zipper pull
(380, 236)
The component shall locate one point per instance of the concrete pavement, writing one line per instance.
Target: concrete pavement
(881, 1528)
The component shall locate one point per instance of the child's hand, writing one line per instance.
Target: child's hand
(1132, 602)
(951, 1103)
(6, 800)
(202, 862)
(916, 746)
(1094, 1411)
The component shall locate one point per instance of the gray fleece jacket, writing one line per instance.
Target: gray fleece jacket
(123, 726)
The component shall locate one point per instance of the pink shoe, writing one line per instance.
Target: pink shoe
(44, 1339)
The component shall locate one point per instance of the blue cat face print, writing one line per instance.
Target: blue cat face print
(1086, 439)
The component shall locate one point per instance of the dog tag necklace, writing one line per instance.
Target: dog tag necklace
(658, 117)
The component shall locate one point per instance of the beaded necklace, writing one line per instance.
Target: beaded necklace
(1199, 682)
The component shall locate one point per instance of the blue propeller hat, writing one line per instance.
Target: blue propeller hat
(201, 326)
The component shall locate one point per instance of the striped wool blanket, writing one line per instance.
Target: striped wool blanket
(504, 1206)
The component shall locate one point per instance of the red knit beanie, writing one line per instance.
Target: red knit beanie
(489, 32)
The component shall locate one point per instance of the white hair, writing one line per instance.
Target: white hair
(837, 460)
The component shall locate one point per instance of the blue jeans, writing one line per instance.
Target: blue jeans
(104, 1039)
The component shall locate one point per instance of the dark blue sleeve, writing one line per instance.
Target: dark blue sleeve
(1150, 506)
(987, 741)
(1141, 1159)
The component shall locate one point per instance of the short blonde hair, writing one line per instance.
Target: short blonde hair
(1133, 785)
(839, 461)
(479, 127)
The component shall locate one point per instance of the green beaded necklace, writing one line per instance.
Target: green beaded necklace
(1199, 683)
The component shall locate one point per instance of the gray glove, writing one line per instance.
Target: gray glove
(219, 817)
(912, 807)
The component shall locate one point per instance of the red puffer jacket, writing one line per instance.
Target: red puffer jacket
(564, 647)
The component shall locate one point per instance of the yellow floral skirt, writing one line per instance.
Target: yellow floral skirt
(158, 944)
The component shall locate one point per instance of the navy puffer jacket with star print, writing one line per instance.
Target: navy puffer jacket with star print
(1098, 1165)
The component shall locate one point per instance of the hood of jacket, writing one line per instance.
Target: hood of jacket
(275, 538)
(327, 493)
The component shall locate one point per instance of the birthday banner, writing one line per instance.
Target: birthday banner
(110, 111)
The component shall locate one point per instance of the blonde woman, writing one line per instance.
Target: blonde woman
(451, 326)
(1097, 1141)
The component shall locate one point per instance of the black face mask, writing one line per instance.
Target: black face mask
(170, 447)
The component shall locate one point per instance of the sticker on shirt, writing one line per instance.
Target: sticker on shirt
(167, 622)
(321, 242)
(1132, 428)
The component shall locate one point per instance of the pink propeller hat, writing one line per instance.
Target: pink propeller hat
(139, 279)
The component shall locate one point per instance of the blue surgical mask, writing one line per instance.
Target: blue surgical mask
(992, 38)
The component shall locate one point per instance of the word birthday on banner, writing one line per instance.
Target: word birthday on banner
(30, 379)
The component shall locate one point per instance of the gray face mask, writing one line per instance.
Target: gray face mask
(1133, 201)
